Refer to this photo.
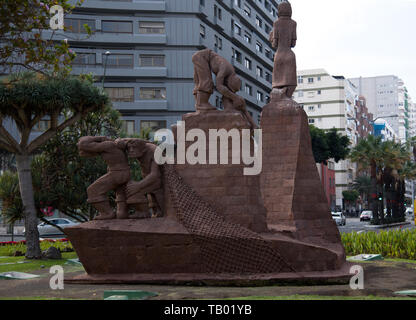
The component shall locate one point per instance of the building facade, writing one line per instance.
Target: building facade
(388, 98)
(141, 51)
(331, 102)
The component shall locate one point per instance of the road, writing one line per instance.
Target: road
(353, 224)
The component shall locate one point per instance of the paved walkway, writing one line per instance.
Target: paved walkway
(382, 278)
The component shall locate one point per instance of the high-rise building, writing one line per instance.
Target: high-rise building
(141, 52)
(387, 98)
(332, 102)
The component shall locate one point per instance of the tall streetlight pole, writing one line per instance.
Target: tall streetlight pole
(107, 53)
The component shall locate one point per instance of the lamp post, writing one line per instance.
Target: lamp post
(107, 53)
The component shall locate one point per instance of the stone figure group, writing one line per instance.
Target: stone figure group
(140, 195)
(145, 195)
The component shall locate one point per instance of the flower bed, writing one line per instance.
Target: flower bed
(13, 248)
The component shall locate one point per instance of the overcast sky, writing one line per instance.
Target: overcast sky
(358, 38)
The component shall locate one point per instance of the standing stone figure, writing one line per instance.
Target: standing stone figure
(150, 187)
(228, 83)
(116, 178)
(283, 38)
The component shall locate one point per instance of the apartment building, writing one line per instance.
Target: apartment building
(332, 102)
(388, 98)
(141, 51)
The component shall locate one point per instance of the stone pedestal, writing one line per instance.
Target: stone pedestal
(224, 228)
(290, 184)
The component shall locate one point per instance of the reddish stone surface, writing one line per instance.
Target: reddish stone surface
(225, 187)
(290, 184)
(283, 210)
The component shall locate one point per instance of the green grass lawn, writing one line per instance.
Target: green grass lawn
(32, 265)
(314, 297)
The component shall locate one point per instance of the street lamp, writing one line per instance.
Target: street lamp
(107, 53)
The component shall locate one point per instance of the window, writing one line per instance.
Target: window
(310, 80)
(248, 89)
(84, 59)
(274, 12)
(152, 125)
(259, 47)
(129, 126)
(300, 94)
(267, 28)
(259, 72)
(267, 99)
(117, 26)
(268, 54)
(202, 2)
(120, 60)
(151, 27)
(311, 108)
(153, 93)
(267, 5)
(237, 3)
(237, 29)
(268, 77)
(77, 25)
(319, 92)
(300, 79)
(319, 78)
(202, 31)
(311, 121)
(247, 38)
(150, 60)
(120, 94)
(42, 125)
(218, 42)
(247, 10)
(319, 106)
(259, 22)
(260, 96)
(237, 56)
(217, 12)
(247, 63)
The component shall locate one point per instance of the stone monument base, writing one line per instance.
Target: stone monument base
(161, 251)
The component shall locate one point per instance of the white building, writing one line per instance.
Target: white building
(330, 102)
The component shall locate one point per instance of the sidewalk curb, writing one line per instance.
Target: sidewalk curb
(384, 226)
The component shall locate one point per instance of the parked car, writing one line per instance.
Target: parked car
(409, 211)
(48, 230)
(339, 218)
(366, 215)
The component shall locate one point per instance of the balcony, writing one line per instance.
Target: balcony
(142, 105)
(132, 5)
(98, 70)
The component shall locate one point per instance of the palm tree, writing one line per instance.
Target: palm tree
(362, 184)
(368, 154)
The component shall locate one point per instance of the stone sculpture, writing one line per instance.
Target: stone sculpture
(151, 184)
(228, 83)
(118, 175)
(221, 227)
(283, 38)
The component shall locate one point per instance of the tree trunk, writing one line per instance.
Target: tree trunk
(26, 191)
(374, 196)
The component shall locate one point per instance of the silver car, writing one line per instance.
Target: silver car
(48, 230)
(339, 218)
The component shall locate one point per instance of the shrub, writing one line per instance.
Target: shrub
(11, 247)
(390, 244)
